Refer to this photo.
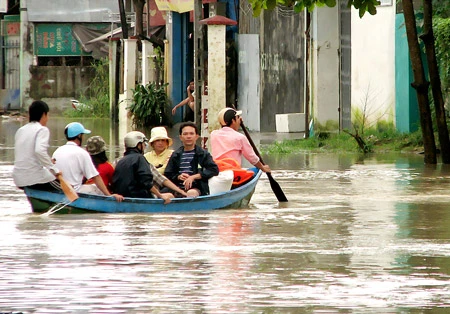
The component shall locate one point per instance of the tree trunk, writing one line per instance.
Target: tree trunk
(420, 84)
(433, 70)
(139, 9)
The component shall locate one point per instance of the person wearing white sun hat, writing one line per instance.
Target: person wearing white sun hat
(160, 154)
(135, 177)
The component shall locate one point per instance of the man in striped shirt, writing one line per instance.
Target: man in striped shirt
(190, 166)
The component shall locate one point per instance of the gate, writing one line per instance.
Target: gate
(10, 52)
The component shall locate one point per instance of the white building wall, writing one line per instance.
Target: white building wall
(325, 66)
(373, 64)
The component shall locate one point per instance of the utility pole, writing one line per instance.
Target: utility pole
(123, 20)
(198, 61)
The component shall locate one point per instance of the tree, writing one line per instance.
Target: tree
(299, 5)
(428, 39)
(420, 84)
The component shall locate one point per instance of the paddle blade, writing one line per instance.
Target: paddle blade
(68, 190)
(276, 188)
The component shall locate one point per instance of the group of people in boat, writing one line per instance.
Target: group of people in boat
(159, 172)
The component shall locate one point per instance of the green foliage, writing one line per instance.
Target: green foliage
(386, 139)
(151, 106)
(96, 97)
(329, 126)
(441, 8)
(159, 58)
(362, 5)
(441, 30)
(332, 143)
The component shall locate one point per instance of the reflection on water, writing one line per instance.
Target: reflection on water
(357, 235)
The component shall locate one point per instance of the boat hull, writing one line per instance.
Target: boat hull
(42, 201)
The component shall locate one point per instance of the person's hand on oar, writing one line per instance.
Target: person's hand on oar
(266, 168)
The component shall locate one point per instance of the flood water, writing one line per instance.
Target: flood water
(358, 235)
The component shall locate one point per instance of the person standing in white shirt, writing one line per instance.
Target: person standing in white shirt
(33, 166)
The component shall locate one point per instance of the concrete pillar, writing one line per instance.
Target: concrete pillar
(216, 73)
(129, 83)
(147, 64)
(325, 67)
(113, 77)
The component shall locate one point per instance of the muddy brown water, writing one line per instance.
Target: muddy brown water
(358, 235)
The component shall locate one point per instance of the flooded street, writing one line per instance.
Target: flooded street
(358, 235)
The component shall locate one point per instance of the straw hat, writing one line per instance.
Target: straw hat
(227, 114)
(160, 133)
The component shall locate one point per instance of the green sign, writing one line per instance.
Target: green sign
(56, 40)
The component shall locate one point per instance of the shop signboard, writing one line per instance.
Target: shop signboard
(56, 40)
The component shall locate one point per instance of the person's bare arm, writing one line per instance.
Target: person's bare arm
(174, 187)
(264, 168)
(182, 103)
(158, 194)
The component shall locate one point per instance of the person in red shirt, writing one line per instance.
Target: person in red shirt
(96, 147)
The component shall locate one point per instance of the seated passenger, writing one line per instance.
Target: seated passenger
(96, 147)
(33, 166)
(190, 166)
(132, 176)
(75, 162)
(160, 153)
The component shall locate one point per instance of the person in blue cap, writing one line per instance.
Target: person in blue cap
(75, 162)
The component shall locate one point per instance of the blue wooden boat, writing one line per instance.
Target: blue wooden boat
(42, 201)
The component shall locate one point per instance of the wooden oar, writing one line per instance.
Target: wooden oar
(276, 188)
(68, 190)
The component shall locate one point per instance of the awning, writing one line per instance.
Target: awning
(96, 41)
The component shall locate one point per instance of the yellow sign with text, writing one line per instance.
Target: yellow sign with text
(179, 6)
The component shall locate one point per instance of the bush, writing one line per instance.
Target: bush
(151, 106)
(95, 101)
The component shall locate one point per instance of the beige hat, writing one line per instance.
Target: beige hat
(160, 133)
(227, 114)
